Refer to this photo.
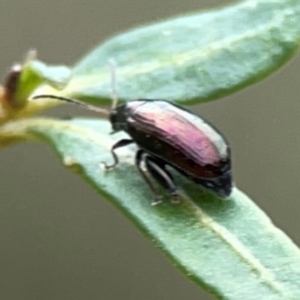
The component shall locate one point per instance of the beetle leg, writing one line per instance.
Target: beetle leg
(119, 144)
(138, 160)
(158, 171)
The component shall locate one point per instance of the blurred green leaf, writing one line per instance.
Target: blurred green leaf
(22, 81)
(194, 58)
(35, 73)
(229, 247)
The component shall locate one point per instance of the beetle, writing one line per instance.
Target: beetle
(168, 135)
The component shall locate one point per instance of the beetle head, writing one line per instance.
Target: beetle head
(118, 118)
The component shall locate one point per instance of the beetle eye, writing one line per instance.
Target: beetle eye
(113, 116)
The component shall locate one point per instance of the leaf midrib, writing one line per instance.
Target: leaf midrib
(236, 245)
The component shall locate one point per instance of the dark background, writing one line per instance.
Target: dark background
(58, 239)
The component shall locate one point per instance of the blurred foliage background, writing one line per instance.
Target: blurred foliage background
(59, 240)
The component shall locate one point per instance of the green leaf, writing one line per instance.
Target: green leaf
(194, 58)
(229, 247)
(36, 73)
(22, 81)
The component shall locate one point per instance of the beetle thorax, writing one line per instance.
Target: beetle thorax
(119, 115)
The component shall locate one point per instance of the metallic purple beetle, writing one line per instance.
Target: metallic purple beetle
(168, 135)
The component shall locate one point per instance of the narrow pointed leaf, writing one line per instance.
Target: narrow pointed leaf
(231, 248)
(194, 58)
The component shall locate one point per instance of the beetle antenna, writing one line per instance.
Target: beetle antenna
(113, 78)
(77, 102)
